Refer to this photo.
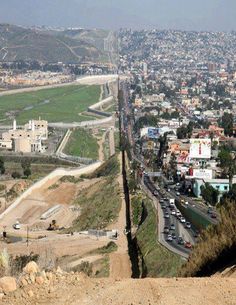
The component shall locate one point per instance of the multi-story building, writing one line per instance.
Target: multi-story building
(27, 139)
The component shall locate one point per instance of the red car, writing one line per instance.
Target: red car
(187, 245)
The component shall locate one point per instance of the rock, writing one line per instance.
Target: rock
(8, 284)
(30, 293)
(39, 280)
(43, 274)
(31, 267)
(23, 282)
(32, 278)
(59, 270)
(49, 276)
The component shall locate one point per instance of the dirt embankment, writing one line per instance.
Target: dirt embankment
(76, 289)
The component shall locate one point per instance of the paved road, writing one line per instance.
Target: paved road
(180, 230)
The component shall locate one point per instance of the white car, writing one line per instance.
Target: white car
(169, 237)
(173, 212)
(182, 220)
(177, 193)
(16, 225)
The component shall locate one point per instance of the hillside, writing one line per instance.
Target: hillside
(62, 288)
(18, 43)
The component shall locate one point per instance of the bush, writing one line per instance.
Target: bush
(16, 175)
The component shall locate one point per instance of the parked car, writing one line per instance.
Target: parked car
(213, 215)
(173, 235)
(172, 227)
(182, 220)
(163, 206)
(16, 225)
(173, 212)
(177, 193)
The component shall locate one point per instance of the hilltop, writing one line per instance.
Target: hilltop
(18, 43)
(58, 287)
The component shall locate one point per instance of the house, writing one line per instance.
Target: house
(222, 185)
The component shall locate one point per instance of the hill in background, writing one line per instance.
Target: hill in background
(69, 46)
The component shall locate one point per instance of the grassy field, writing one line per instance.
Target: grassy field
(159, 261)
(62, 104)
(100, 205)
(82, 144)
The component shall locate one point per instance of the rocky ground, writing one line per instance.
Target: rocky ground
(60, 288)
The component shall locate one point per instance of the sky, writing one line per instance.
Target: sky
(210, 15)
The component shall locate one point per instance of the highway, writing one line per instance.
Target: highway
(180, 230)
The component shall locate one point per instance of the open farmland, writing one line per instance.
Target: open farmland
(61, 104)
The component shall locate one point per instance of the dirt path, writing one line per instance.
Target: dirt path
(101, 156)
(120, 265)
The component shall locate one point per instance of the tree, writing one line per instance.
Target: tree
(27, 172)
(229, 196)
(227, 122)
(228, 164)
(2, 167)
(25, 164)
(16, 175)
(209, 194)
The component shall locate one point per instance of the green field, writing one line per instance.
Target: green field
(82, 144)
(62, 104)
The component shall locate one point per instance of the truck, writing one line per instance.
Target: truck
(171, 202)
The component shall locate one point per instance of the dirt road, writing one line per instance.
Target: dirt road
(120, 265)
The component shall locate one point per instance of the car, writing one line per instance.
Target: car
(210, 210)
(16, 225)
(173, 212)
(167, 215)
(213, 215)
(168, 190)
(186, 202)
(187, 245)
(173, 235)
(161, 200)
(163, 206)
(169, 238)
(166, 230)
(182, 219)
(178, 214)
(177, 193)
(165, 199)
(188, 225)
(172, 227)
(177, 184)
(180, 240)
(155, 193)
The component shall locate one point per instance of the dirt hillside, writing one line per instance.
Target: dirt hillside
(73, 289)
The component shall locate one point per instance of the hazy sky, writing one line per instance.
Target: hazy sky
(174, 14)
